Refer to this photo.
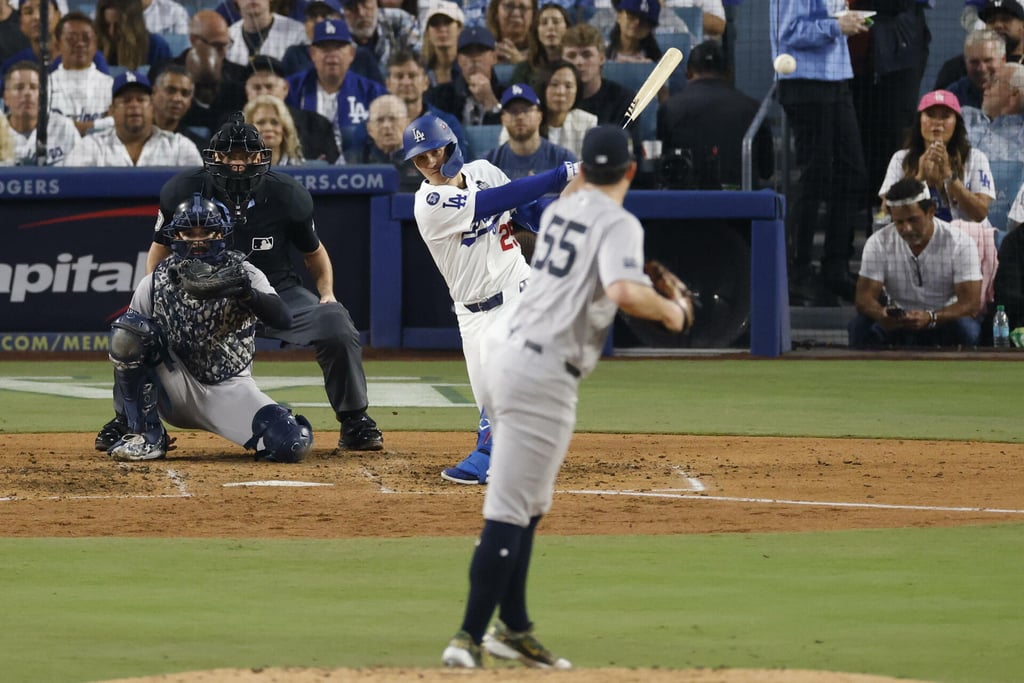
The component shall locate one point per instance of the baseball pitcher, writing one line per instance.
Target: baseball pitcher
(589, 263)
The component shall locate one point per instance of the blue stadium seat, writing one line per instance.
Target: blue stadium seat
(481, 140)
(178, 43)
(504, 74)
(694, 18)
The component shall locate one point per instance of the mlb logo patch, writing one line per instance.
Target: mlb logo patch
(262, 243)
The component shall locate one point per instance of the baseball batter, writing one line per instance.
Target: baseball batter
(188, 360)
(463, 212)
(589, 262)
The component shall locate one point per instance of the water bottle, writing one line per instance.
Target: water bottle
(1001, 329)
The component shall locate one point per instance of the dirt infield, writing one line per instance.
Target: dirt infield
(56, 485)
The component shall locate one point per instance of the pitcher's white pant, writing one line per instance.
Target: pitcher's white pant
(531, 400)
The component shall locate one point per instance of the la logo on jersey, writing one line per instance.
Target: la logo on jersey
(357, 112)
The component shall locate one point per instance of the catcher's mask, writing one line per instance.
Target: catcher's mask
(199, 229)
(429, 132)
(237, 160)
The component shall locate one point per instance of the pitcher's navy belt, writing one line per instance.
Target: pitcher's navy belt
(487, 304)
(537, 348)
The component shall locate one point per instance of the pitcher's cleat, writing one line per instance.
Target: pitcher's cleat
(462, 653)
(504, 643)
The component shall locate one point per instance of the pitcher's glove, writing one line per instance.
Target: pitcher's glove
(204, 281)
(667, 284)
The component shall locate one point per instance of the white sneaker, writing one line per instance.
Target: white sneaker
(462, 653)
(133, 448)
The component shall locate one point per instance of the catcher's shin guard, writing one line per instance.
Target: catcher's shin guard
(136, 345)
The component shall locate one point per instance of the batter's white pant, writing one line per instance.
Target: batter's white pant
(473, 326)
(531, 400)
(225, 409)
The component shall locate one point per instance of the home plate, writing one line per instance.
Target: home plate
(276, 482)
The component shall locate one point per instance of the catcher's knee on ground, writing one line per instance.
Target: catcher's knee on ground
(279, 436)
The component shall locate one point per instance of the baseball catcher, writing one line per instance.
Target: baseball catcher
(183, 351)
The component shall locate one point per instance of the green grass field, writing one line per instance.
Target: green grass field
(935, 604)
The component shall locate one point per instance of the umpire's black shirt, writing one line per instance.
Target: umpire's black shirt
(281, 214)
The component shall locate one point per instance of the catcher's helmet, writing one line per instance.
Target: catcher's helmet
(237, 159)
(429, 132)
(199, 212)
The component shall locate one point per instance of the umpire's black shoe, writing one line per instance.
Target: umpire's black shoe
(111, 433)
(361, 434)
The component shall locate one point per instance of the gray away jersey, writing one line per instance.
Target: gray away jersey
(586, 242)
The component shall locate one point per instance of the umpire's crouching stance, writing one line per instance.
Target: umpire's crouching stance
(271, 213)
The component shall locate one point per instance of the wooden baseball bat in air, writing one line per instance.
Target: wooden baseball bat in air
(666, 65)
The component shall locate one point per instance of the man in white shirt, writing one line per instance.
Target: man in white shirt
(920, 278)
(21, 96)
(262, 32)
(78, 89)
(134, 140)
(165, 16)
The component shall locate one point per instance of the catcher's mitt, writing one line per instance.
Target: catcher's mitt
(203, 281)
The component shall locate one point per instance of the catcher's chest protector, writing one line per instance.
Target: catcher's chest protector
(215, 339)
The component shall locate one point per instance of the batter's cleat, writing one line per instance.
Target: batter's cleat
(462, 653)
(475, 469)
(361, 434)
(134, 448)
(521, 645)
(111, 433)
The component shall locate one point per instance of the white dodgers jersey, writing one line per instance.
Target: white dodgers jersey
(444, 214)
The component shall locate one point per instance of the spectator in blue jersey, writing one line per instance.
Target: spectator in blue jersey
(330, 89)
(526, 150)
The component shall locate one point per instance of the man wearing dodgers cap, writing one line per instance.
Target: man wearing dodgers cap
(523, 150)
(134, 140)
(331, 89)
(590, 263)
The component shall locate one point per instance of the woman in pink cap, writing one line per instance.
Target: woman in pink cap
(938, 152)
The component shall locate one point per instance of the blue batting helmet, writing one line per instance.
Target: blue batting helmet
(199, 212)
(429, 132)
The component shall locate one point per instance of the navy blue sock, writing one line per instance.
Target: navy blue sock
(513, 606)
(494, 561)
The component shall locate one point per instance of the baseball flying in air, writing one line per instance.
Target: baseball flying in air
(785, 64)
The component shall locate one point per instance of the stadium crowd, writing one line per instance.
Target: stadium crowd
(144, 82)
